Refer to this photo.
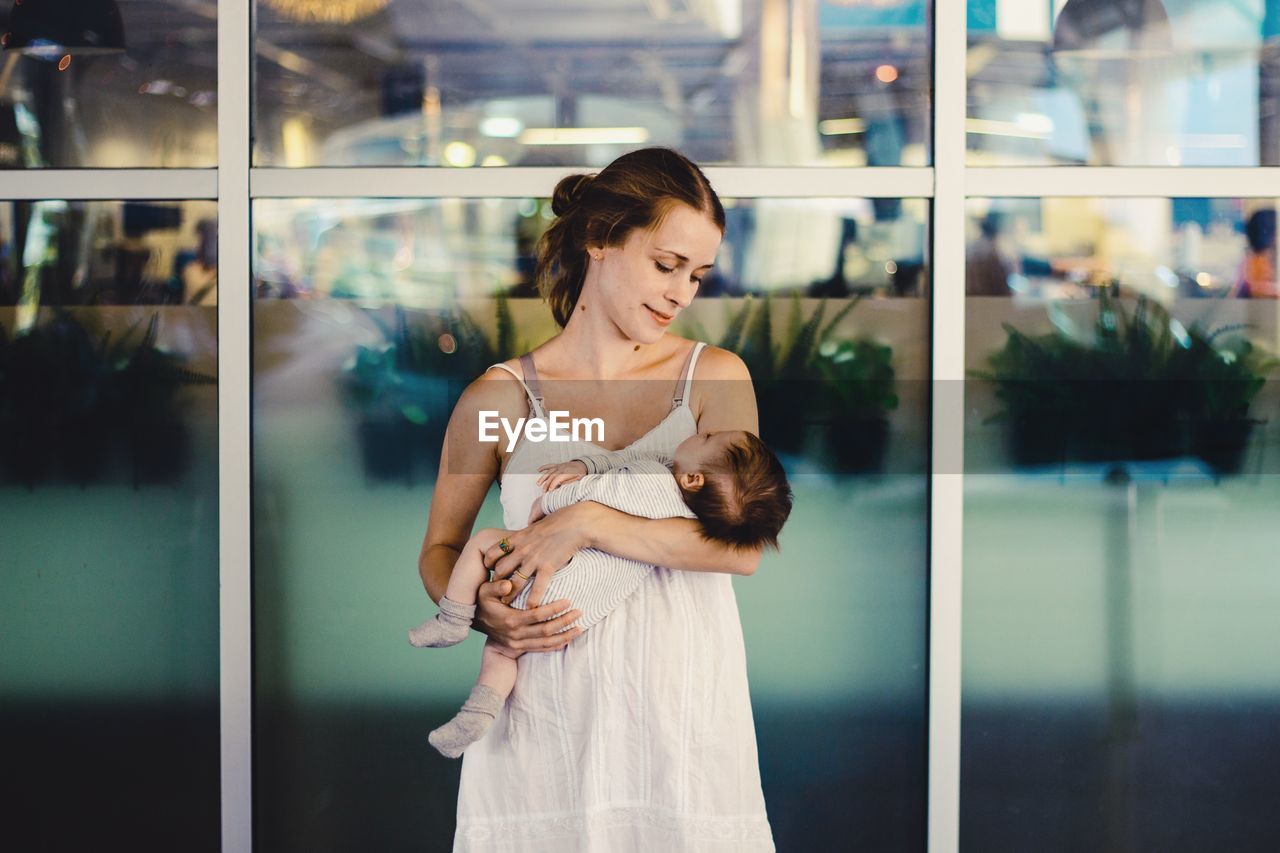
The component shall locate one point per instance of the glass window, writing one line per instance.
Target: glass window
(109, 552)
(370, 317)
(1123, 460)
(108, 85)
(1102, 83)
(761, 82)
(62, 253)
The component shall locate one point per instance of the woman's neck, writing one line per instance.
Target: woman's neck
(596, 348)
(591, 346)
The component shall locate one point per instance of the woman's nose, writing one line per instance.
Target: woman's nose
(681, 294)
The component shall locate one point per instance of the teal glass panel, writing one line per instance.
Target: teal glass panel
(370, 317)
(108, 530)
(1121, 690)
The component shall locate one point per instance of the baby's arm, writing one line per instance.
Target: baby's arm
(607, 460)
(644, 488)
(556, 475)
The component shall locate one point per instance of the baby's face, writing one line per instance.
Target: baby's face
(696, 452)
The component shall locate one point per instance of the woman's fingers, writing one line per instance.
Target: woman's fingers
(547, 628)
(492, 589)
(540, 583)
(505, 568)
(548, 644)
(491, 613)
(517, 584)
(547, 611)
(494, 554)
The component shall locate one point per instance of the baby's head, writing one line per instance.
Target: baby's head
(735, 486)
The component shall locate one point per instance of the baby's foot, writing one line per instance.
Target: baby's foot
(470, 724)
(448, 627)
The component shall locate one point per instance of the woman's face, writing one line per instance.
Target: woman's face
(646, 282)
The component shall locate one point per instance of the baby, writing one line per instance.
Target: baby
(729, 481)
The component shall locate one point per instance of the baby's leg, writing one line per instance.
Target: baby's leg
(497, 678)
(458, 604)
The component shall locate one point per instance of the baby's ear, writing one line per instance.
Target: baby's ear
(691, 481)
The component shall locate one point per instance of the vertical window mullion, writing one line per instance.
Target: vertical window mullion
(946, 516)
(235, 623)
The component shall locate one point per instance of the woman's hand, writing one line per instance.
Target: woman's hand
(532, 630)
(540, 549)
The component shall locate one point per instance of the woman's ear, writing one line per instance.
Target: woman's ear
(691, 481)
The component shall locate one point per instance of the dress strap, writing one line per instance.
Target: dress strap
(535, 401)
(531, 377)
(685, 383)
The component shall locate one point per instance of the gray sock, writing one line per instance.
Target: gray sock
(448, 627)
(470, 724)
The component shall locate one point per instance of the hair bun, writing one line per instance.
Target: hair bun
(568, 191)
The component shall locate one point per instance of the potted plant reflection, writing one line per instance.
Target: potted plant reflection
(403, 388)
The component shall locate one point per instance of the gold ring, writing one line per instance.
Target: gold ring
(522, 574)
(504, 545)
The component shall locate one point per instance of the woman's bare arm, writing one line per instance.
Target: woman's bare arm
(467, 469)
(723, 399)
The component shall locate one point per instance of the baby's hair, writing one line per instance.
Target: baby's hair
(745, 498)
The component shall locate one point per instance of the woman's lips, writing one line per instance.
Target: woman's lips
(661, 319)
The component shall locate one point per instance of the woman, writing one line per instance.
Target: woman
(639, 735)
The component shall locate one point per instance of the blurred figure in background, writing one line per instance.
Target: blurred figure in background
(1257, 276)
(987, 268)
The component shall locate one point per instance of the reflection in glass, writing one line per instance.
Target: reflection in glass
(761, 82)
(62, 253)
(1122, 83)
(1122, 444)
(1165, 249)
(426, 253)
(109, 555)
(108, 85)
(393, 305)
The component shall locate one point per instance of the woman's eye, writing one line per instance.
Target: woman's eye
(659, 265)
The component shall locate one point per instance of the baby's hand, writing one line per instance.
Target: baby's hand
(557, 475)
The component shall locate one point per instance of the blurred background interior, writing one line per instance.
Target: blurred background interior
(1122, 416)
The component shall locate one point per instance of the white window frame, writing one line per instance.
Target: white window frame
(234, 184)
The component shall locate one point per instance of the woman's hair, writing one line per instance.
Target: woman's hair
(745, 498)
(637, 190)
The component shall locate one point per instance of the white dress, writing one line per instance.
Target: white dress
(637, 737)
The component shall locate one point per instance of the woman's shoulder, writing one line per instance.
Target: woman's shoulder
(717, 363)
(495, 388)
(723, 397)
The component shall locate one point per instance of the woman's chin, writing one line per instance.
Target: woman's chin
(646, 335)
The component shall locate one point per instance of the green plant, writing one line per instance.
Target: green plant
(147, 381)
(1140, 386)
(405, 387)
(66, 401)
(808, 375)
